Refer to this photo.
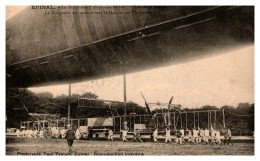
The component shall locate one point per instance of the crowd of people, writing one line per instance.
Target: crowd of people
(42, 133)
(194, 136)
(181, 136)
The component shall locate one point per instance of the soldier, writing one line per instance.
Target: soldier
(195, 135)
(136, 136)
(168, 135)
(23, 133)
(202, 135)
(125, 125)
(27, 133)
(78, 135)
(110, 135)
(63, 133)
(45, 133)
(57, 133)
(41, 134)
(206, 132)
(178, 137)
(155, 135)
(30, 133)
(212, 135)
(218, 141)
(18, 133)
(228, 136)
(124, 134)
(35, 132)
(189, 136)
(182, 134)
(48, 133)
(70, 136)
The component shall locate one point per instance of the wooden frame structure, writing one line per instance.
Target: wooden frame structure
(178, 120)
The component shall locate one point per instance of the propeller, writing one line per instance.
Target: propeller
(147, 106)
(170, 102)
(169, 105)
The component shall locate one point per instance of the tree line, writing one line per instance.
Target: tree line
(21, 102)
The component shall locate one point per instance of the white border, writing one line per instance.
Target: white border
(132, 2)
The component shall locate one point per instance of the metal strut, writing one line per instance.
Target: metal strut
(69, 103)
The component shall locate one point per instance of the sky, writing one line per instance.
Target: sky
(225, 79)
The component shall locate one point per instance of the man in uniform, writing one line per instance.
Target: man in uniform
(70, 136)
(18, 133)
(45, 133)
(57, 133)
(41, 134)
(78, 135)
(137, 136)
(124, 134)
(189, 136)
(206, 131)
(23, 133)
(155, 135)
(168, 135)
(228, 136)
(212, 135)
(182, 134)
(30, 133)
(110, 135)
(178, 137)
(27, 133)
(202, 135)
(195, 135)
(63, 133)
(218, 141)
(35, 132)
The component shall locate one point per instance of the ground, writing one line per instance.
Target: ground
(25, 146)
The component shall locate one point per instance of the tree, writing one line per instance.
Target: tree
(45, 95)
(208, 107)
(18, 101)
(89, 95)
(240, 119)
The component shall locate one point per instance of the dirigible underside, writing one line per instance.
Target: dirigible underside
(51, 46)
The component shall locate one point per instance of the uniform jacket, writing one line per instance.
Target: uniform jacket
(70, 135)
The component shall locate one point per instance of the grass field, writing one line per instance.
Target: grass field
(25, 146)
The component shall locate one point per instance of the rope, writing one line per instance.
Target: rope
(239, 115)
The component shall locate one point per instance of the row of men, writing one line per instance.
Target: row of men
(43, 133)
(195, 136)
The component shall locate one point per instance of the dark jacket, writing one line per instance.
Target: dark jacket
(70, 135)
